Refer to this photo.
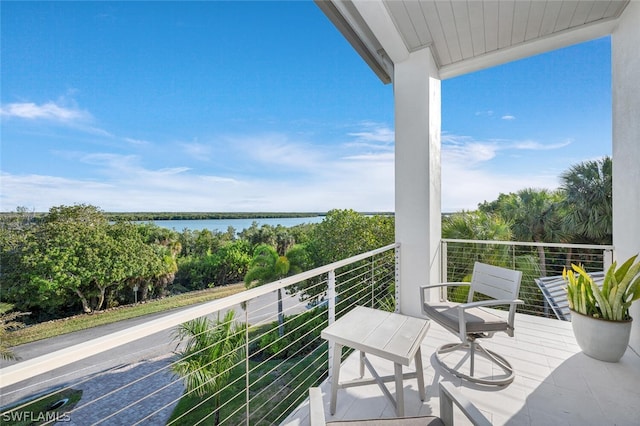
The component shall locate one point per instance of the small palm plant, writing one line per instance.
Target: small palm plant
(267, 266)
(211, 351)
(621, 287)
(8, 324)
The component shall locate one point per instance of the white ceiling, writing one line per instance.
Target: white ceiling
(472, 31)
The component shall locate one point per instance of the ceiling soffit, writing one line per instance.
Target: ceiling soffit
(465, 36)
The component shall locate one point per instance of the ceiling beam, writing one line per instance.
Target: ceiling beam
(344, 17)
(377, 17)
(529, 48)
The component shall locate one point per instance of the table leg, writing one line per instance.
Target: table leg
(335, 379)
(399, 390)
(362, 355)
(420, 375)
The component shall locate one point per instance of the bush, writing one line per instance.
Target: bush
(301, 335)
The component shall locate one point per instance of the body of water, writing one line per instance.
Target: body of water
(238, 224)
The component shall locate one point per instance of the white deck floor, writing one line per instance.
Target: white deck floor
(555, 383)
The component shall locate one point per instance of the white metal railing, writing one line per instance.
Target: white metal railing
(535, 260)
(262, 386)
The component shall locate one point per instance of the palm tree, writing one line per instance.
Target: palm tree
(587, 187)
(535, 217)
(476, 225)
(211, 350)
(267, 266)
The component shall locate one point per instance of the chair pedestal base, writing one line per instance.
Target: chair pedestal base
(472, 348)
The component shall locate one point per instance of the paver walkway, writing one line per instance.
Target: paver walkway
(146, 392)
(100, 377)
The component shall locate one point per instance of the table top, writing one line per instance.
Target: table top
(392, 336)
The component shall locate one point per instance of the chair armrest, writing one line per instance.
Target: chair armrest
(448, 396)
(438, 285)
(492, 302)
(452, 284)
(316, 407)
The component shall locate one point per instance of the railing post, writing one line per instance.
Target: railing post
(444, 273)
(331, 295)
(397, 286)
(246, 363)
(373, 281)
(444, 260)
(607, 259)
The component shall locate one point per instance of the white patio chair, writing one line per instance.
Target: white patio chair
(470, 321)
(448, 396)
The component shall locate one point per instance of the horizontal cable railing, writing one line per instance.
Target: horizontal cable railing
(202, 365)
(540, 263)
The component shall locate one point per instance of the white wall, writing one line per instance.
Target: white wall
(417, 175)
(625, 59)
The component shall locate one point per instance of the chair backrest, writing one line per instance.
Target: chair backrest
(495, 282)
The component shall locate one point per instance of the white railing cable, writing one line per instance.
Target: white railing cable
(530, 243)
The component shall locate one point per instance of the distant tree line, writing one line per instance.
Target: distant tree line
(149, 216)
(24, 214)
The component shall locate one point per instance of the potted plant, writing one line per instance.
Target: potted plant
(600, 315)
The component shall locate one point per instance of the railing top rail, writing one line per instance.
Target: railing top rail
(535, 244)
(17, 372)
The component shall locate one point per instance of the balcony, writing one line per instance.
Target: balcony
(126, 374)
(555, 383)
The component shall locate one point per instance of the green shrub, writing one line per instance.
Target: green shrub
(301, 335)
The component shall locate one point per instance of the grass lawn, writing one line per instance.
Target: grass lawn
(80, 322)
(275, 388)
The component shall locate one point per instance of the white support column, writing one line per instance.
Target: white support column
(417, 174)
(625, 61)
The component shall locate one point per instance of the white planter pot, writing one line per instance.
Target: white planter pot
(601, 339)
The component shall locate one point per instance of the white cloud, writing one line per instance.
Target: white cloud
(63, 113)
(374, 132)
(471, 151)
(138, 142)
(537, 146)
(508, 117)
(278, 150)
(197, 150)
(353, 184)
(471, 175)
(47, 111)
(467, 151)
(373, 157)
(294, 176)
(276, 173)
(463, 188)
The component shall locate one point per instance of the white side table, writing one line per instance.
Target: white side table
(388, 335)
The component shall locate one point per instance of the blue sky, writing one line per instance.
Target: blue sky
(261, 106)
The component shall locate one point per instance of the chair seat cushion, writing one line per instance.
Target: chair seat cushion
(478, 320)
(404, 421)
